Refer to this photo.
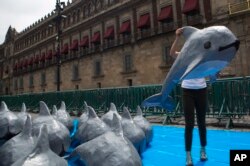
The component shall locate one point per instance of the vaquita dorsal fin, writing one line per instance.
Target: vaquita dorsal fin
(54, 110)
(138, 111)
(27, 130)
(116, 125)
(3, 107)
(92, 113)
(44, 110)
(189, 31)
(23, 109)
(85, 105)
(63, 106)
(42, 144)
(112, 107)
(126, 114)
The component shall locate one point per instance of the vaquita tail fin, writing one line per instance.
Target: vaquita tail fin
(157, 100)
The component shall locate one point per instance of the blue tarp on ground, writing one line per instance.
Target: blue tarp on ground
(167, 147)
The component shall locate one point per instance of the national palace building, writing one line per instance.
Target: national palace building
(112, 43)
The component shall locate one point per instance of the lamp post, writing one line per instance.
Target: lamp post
(58, 21)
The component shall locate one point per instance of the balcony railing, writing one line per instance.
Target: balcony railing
(109, 44)
(194, 19)
(239, 7)
(167, 27)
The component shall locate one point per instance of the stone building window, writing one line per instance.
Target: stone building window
(50, 31)
(109, 36)
(166, 58)
(144, 25)
(64, 23)
(125, 31)
(99, 85)
(15, 84)
(130, 82)
(1, 86)
(56, 76)
(89, 9)
(128, 63)
(166, 18)
(96, 41)
(31, 81)
(109, 2)
(106, 2)
(98, 5)
(78, 16)
(43, 33)
(21, 82)
(113, 1)
(43, 79)
(97, 69)
(75, 72)
(194, 19)
(85, 12)
(192, 11)
(68, 20)
(74, 18)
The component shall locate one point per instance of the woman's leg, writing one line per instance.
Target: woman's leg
(201, 105)
(201, 109)
(188, 106)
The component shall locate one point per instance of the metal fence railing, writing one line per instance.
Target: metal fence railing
(226, 97)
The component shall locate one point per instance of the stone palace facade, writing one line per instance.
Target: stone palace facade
(112, 43)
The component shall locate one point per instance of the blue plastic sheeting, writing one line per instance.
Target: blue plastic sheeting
(168, 148)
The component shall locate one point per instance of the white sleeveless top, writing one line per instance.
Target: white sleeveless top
(198, 83)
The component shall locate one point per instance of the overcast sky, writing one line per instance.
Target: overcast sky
(20, 14)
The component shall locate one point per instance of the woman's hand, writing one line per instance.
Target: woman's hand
(179, 32)
(173, 51)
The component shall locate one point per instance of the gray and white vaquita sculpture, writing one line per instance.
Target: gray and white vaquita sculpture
(18, 146)
(109, 149)
(59, 136)
(63, 116)
(205, 52)
(41, 154)
(144, 125)
(85, 115)
(9, 125)
(108, 117)
(92, 128)
(22, 115)
(133, 132)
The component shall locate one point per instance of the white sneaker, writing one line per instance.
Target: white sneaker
(189, 161)
(203, 156)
